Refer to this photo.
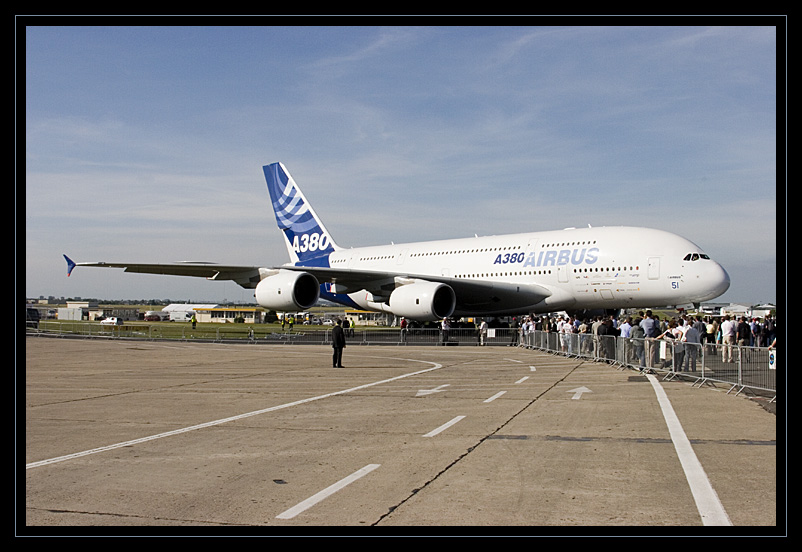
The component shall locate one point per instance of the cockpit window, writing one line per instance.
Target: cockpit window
(695, 257)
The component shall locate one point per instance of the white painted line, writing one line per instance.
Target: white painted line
(707, 501)
(225, 420)
(494, 397)
(523, 379)
(325, 493)
(443, 427)
(438, 389)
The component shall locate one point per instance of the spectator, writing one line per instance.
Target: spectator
(728, 333)
(693, 342)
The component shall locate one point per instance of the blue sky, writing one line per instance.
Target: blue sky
(146, 144)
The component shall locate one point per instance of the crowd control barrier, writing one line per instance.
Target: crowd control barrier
(742, 368)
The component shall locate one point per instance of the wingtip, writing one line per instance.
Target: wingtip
(70, 265)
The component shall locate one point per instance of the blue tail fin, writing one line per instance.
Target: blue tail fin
(308, 241)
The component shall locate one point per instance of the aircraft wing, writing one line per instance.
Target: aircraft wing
(472, 295)
(246, 276)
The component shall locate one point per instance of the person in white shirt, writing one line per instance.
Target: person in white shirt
(728, 332)
(566, 328)
(626, 327)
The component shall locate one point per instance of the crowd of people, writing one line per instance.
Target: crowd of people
(685, 333)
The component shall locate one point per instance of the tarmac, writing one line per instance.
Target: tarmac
(148, 438)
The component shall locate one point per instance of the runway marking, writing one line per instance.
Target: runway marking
(444, 427)
(438, 389)
(523, 379)
(494, 397)
(707, 501)
(226, 420)
(325, 493)
(578, 392)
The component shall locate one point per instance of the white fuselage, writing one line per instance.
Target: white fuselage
(573, 269)
(583, 268)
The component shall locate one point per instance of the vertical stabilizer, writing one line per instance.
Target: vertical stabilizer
(308, 241)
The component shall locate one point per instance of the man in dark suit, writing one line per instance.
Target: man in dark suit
(338, 344)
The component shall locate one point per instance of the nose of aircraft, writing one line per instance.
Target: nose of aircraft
(715, 282)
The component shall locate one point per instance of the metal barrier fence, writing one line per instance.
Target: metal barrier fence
(742, 368)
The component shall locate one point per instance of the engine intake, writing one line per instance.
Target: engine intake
(424, 301)
(288, 291)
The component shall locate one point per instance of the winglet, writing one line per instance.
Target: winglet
(70, 265)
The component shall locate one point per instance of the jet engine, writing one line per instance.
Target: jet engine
(288, 290)
(423, 301)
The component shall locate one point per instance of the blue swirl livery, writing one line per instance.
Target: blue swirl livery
(308, 242)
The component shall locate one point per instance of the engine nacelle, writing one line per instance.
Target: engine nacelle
(288, 291)
(424, 301)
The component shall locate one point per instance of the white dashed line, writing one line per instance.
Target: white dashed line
(325, 493)
(443, 427)
(494, 397)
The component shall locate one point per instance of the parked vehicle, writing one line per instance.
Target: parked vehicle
(112, 321)
(156, 316)
(180, 316)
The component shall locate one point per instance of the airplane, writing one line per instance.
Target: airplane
(572, 270)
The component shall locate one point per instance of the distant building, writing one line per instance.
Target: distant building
(249, 315)
(71, 314)
(81, 304)
(86, 310)
(760, 311)
(77, 310)
(370, 318)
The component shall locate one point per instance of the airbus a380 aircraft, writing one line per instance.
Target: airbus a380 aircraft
(573, 269)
